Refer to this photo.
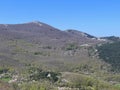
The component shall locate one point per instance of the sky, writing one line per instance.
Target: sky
(95, 17)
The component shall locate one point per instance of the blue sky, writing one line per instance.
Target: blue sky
(96, 17)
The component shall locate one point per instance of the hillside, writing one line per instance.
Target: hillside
(110, 53)
(34, 40)
(37, 56)
(42, 33)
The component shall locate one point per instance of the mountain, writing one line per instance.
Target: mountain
(35, 42)
(37, 56)
(111, 38)
(45, 34)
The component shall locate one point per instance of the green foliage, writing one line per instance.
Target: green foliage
(15, 86)
(5, 78)
(38, 74)
(42, 53)
(37, 86)
(84, 82)
(110, 53)
(71, 46)
(117, 85)
(5, 74)
(3, 70)
(38, 53)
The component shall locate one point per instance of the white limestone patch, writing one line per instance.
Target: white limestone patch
(38, 23)
(101, 39)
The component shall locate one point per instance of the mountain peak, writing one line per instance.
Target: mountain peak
(37, 22)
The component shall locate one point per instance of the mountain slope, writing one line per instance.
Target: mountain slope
(43, 33)
(110, 53)
(36, 56)
(38, 42)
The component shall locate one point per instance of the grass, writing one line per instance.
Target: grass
(5, 79)
(81, 69)
(118, 86)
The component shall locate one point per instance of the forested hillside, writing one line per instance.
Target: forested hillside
(110, 53)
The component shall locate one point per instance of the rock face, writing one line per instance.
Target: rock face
(42, 33)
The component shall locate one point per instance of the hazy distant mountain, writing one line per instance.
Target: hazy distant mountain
(111, 38)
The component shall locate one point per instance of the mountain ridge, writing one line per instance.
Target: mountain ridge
(41, 32)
